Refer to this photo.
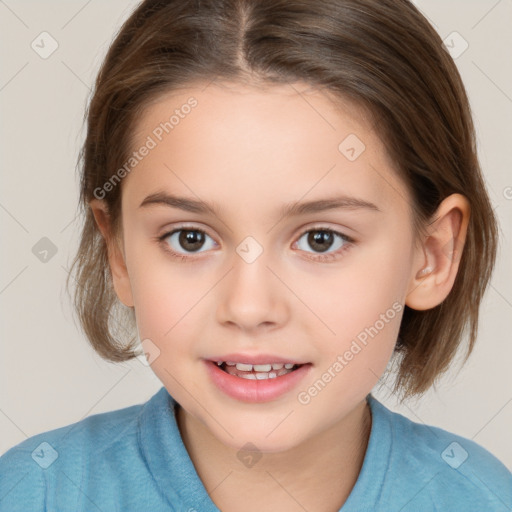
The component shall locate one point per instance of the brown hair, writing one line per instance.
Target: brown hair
(380, 54)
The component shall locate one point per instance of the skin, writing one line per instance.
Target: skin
(251, 150)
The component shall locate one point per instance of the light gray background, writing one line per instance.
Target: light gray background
(49, 376)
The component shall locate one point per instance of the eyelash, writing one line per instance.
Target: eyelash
(318, 258)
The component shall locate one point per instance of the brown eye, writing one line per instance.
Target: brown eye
(322, 240)
(187, 240)
(191, 240)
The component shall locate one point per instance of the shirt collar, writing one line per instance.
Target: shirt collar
(167, 457)
(176, 477)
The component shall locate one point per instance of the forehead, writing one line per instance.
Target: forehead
(255, 113)
(231, 143)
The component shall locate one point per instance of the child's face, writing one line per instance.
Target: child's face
(251, 152)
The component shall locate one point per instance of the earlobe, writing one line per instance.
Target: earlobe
(437, 260)
(120, 278)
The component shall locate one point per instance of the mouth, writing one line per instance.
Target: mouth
(258, 381)
(257, 371)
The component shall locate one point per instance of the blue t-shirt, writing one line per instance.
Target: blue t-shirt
(134, 459)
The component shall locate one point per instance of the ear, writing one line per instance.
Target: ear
(438, 255)
(115, 255)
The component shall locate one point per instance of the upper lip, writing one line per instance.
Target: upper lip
(255, 359)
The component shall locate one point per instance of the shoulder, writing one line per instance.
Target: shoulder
(430, 465)
(59, 457)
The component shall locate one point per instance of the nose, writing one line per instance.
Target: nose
(252, 297)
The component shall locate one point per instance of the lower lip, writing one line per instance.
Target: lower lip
(255, 391)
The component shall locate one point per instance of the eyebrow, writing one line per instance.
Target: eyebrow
(288, 209)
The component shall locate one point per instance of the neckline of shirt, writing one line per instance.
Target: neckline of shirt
(176, 477)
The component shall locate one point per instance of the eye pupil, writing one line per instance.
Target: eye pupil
(194, 238)
(320, 240)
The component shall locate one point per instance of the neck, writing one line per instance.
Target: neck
(318, 474)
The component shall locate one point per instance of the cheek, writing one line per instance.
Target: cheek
(165, 304)
(164, 295)
(366, 325)
(361, 307)
(166, 307)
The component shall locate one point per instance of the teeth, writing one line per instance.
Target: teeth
(259, 376)
(262, 367)
(257, 371)
(243, 367)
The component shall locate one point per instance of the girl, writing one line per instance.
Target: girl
(281, 198)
